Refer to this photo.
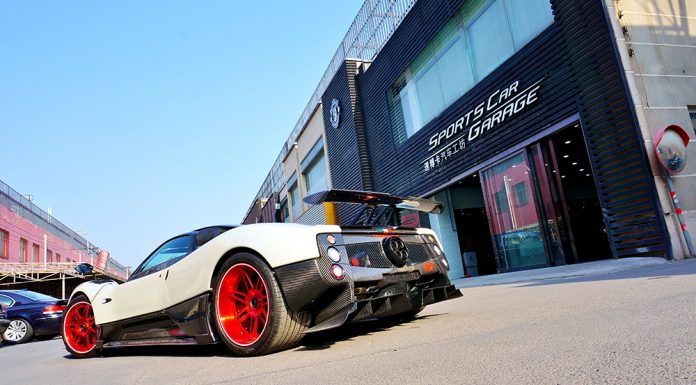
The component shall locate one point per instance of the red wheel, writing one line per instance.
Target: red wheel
(79, 330)
(249, 311)
(242, 304)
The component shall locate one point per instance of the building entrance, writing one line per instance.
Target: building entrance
(567, 173)
(472, 226)
(538, 207)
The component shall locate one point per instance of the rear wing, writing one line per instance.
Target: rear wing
(378, 207)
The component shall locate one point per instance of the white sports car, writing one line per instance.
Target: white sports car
(259, 288)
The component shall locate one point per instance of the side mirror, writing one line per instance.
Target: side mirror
(84, 268)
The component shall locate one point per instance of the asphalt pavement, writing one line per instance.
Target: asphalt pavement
(625, 327)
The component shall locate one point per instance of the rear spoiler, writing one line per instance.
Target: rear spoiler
(375, 199)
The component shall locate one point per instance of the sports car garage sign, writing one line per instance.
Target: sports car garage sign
(499, 107)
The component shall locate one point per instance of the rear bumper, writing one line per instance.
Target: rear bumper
(47, 325)
(363, 292)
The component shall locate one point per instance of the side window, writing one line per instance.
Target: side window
(6, 301)
(206, 235)
(165, 256)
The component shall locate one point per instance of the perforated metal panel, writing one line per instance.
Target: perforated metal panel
(374, 252)
(370, 254)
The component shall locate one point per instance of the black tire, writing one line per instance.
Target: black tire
(282, 329)
(18, 331)
(82, 301)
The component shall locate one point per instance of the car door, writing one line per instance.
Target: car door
(142, 293)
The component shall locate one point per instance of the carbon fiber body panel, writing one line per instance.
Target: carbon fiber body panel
(185, 323)
(371, 285)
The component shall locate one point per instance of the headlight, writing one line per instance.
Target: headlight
(334, 254)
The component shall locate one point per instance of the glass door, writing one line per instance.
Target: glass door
(550, 195)
(513, 213)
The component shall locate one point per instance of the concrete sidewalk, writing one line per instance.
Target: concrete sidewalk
(566, 271)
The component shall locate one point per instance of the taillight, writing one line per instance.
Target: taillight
(337, 271)
(429, 267)
(54, 309)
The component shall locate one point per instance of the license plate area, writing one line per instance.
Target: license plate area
(401, 277)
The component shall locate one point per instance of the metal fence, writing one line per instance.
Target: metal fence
(22, 272)
(374, 24)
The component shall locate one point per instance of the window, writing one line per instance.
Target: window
(295, 202)
(528, 18)
(57, 257)
(521, 193)
(313, 168)
(166, 255)
(6, 301)
(480, 37)
(35, 253)
(49, 255)
(491, 42)
(23, 246)
(36, 296)
(692, 116)
(206, 235)
(4, 244)
(315, 175)
(285, 211)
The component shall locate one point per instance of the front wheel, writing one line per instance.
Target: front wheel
(78, 328)
(18, 331)
(249, 311)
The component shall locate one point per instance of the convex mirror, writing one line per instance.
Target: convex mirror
(670, 145)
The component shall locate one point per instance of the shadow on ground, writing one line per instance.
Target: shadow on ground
(165, 351)
(324, 340)
(311, 342)
(34, 341)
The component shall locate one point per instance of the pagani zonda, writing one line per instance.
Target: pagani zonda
(258, 288)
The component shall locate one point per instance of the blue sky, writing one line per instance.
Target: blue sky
(135, 121)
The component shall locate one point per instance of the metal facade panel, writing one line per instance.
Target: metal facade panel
(579, 72)
(345, 143)
(316, 215)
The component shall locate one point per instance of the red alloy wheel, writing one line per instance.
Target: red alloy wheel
(80, 332)
(242, 304)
